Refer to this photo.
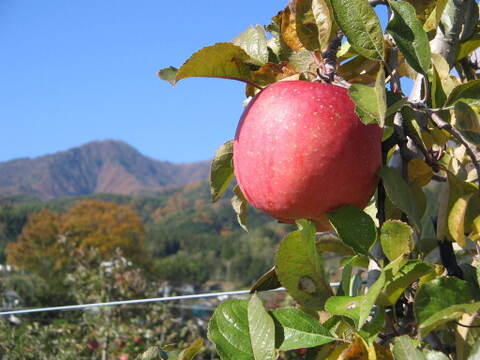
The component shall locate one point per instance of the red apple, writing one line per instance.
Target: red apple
(301, 351)
(301, 151)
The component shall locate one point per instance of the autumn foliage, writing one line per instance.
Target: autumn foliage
(50, 242)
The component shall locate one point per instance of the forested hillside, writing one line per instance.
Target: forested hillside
(187, 238)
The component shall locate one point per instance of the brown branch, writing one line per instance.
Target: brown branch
(442, 124)
(330, 58)
(449, 260)
(377, 2)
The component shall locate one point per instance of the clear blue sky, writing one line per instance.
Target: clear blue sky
(76, 71)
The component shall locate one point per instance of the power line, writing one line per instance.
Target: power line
(137, 301)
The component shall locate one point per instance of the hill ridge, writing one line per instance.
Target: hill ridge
(108, 166)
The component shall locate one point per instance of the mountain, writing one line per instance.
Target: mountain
(109, 166)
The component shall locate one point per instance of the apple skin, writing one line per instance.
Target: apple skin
(301, 151)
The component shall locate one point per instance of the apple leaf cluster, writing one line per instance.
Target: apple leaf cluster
(409, 284)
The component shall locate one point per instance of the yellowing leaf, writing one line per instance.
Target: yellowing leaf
(469, 46)
(359, 70)
(456, 219)
(427, 139)
(222, 60)
(240, 204)
(423, 8)
(475, 235)
(419, 172)
(434, 17)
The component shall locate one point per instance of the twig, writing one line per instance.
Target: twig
(405, 153)
(439, 178)
(330, 58)
(467, 326)
(442, 124)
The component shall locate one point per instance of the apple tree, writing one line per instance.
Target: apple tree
(367, 139)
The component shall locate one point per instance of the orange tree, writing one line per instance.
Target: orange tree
(417, 239)
(51, 244)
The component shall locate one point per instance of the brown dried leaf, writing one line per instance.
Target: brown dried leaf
(288, 30)
(273, 72)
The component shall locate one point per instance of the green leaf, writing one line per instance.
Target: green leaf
(313, 23)
(221, 171)
(400, 193)
(396, 238)
(329, 242)
(346, 281)
(267, 281)
(451, 313)
(439, 294)
(396, 106)
(254, 42)
(360, 24)
(474, 352)
(354, 227)
(466, 118)
(297, 329)
(467, 47)
(442, 300)
(192, 350)
(370, 102)
(168, 74)
(404, 348)
(228, 330)
(434, 355)
(222, 60)
(468, 92)
(406, 275)
(239, 204)
(470, 21)
(369, 299)
(348, 306)
(372, 328)
(409, 36)
(300, 267)
(262, 330)
(438, 95)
